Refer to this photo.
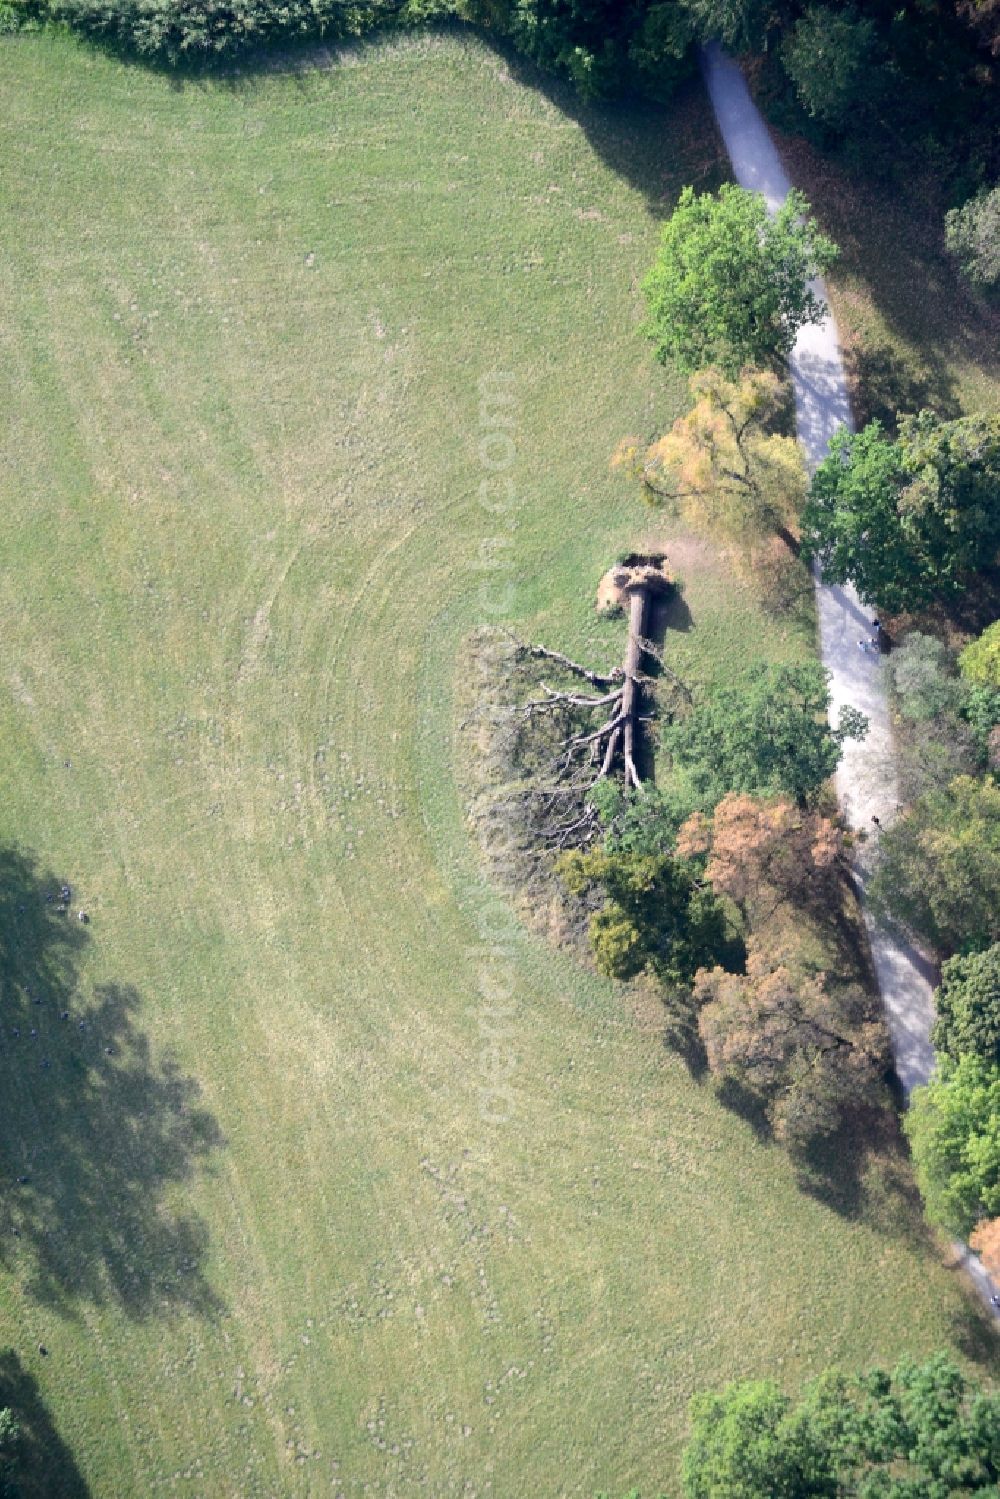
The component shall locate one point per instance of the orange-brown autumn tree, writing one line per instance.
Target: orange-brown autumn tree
(807, 1047)
(985, 1240)
(763, 853)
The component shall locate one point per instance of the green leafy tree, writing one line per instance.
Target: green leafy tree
(924, 678)
(603, 46)
(968, 1006)
(832, 56)
(749, 1443)
(731, 284)
(939, 867)
(948, 720)
(659, 52)
(979, 663)
(953, 1126)
(740, 24)
(639, 824)
(657, 916)
(972, 234)
(921, 1431)
(981, 711)
(907, 520)
(10, 1453)
(768, 734)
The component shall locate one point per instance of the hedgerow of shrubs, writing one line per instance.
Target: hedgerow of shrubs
(193, 31)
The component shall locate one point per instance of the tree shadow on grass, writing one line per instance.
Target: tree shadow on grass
(861, 1171)
(628, 135)
(45, 1465)
(883, 384)
(99, 1133)
(681, 1036)
(631, 135)
(746, 1105)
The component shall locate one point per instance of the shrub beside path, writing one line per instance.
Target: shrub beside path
(866, 779)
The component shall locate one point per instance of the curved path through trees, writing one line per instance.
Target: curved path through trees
(866, 778)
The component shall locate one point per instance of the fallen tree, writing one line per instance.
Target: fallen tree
(580, 753)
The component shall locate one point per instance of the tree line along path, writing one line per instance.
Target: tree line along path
(866, 780)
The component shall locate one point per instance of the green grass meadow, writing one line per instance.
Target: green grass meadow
(276, 1236)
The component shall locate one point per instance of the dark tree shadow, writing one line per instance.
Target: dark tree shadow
(98, 1131)
(682, 1037)
(670, 613)
(628, 134)
(832, 1169)
(45, 1466)
(976, 606)
(884, 384)
(746, 1105)
(973, 1332)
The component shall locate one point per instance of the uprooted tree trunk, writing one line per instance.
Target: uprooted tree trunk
(589, 754)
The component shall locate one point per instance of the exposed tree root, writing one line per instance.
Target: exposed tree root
(588, 754)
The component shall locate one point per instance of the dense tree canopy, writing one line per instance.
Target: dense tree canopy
(924, 678)
(831, 57)
(806, 1046)
(750, 1443)
(939, 869)
(657, 916)
(953, 1126)
(968, 1006)
(972, 234)
(730, 285)
(907, 520)
(769, 735)
(923, 1431)
(761, 854)
(979, 663)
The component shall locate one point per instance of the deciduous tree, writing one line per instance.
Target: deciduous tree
(732, 285)
(939, 867)
(807, 1047)
(750, 1443)
(972, 234)
(657, 917)
(917, 1432)
(721, 468)
(953, 1125)
(831, 57)
(979, 663)
(763, 853)
(907, 520)
(767, 735)
(968, 1006)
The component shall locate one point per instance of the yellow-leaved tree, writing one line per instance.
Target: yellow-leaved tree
(720, 467)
